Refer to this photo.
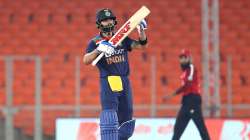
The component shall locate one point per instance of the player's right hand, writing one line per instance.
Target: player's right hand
(142, 25)
(168, 97)
(106, 48)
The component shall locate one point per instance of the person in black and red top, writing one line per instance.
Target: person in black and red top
(191, 100)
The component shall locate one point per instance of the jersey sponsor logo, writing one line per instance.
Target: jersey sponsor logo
(121, 34)
(116, 52)
(117, 57)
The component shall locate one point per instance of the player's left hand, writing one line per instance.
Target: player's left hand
(142, 25)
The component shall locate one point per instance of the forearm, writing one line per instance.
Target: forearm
(142, 35)
(182, 88)
(89, 57)
(141, 43)
(176, 92)
(179, 90)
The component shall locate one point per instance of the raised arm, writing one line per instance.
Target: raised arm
(141, 43)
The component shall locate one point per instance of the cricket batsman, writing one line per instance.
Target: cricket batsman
(191, 100)
(116, 117)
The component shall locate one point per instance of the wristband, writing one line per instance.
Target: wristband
(143, 42)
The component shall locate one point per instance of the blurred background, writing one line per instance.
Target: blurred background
(42, 76)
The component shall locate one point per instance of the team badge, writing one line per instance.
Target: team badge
(107, 13)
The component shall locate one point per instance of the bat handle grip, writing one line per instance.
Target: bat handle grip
(97, 59)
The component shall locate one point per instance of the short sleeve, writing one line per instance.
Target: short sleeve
(127, 43)
(91, 46)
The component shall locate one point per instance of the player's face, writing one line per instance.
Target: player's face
(184, 59)
(107, 22)
(107, 27)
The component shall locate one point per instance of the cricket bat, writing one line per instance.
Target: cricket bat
(126, 29)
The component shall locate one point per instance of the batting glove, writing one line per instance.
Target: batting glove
(142, 25)
(106, 47)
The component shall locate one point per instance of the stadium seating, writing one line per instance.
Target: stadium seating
(58, 31)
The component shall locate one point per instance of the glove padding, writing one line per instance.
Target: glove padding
(106, 47)
(142, 25)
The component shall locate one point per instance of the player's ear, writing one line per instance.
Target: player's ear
(115, 22)
(190, 60)
(98, 25)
